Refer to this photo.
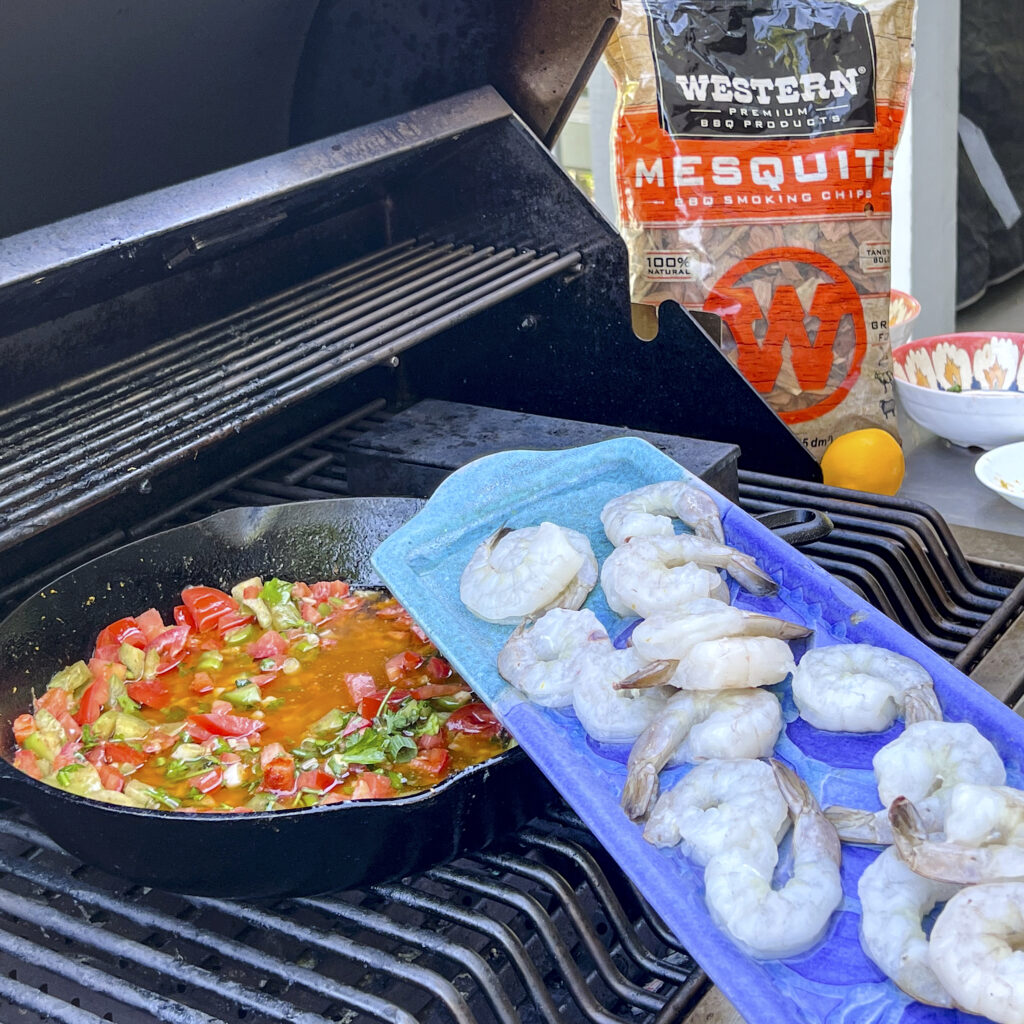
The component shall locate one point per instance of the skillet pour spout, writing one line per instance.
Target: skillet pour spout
(262, 854)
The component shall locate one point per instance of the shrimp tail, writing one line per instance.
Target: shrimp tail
(640, 791)
(656, 673)
(864, 827)
(750, 576)
(794, 790)
(755, 624)
(920, 704)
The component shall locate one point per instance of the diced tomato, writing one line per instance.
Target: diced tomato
(107, 668)
(476, 719)
(156, 741)
(26, 761)
(359, 685)
(95, 755)
(370, 786)
(428, 690)
(316, 779)
(269, 752)
(356, 725)
(402, 664)
(206, 605)
(110, 777)
(232, 620)
(370, 706)
(390, 610)
(208, 781)
(71, 728)
(124, 631)
(24, 726)
(170, 645)
(92, 701)
(123, 753)
(427, 742)
(151, 623)
(220, 724)
(55, 701)
(419, 633)
(324, 589)
(151, 692)
(263, 678)
(279, 774)
(221, 707)
(435, 761)
(200, 683)
(438, 668)
(182, 617)
(268, 646)
(230, 757)
(250, 592)
(301, 590)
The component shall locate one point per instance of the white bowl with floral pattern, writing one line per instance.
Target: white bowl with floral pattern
(904, 309)
(967, 388)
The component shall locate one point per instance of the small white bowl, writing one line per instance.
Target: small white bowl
(967, 388)
(1002, 470)
(904, 309)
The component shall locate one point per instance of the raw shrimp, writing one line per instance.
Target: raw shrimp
(924, 763)
(983, 841)
(609, 715)
(516, 574)
(718, 805)
(545, 661)
(771, 923)
(671, 636)
(647, 512)
(732, 663)
(650, 575)
(859, 688)
(974, 950)
(699, 727)
(893, 903)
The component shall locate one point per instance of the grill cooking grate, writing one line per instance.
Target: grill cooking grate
(77, 444)
(541, 929)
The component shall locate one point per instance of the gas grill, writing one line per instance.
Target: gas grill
(360, 315)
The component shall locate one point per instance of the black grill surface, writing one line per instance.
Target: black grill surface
(541, 927)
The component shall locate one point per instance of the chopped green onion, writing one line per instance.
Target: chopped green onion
(210, 661)
(291, 666)
(239, 635)
(268, 665)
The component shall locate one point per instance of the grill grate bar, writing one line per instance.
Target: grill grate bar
(440, 988)
(178, 427)
(624, 928)
(24, 997)
(500, 934)
(271, 311)
(611, 975)
(146, 958)
(468, 959)
(85, 976)
(554, 943)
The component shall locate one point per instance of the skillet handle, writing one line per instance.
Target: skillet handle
(797, 526)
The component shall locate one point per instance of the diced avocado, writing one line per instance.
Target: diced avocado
(188, 752)
(133, 659)
(262, 802)
(210, 661)
(36, 742)
(140, 794)
(256, 605)
(130, 727)
(73, 678)
(243, 696)
(150, 664)
(81, 779)
(50, 729)
(334, 720)
(103, 727)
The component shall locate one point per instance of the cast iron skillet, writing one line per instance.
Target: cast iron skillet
(277, 853)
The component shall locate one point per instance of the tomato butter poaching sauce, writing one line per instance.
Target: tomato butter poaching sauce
(278, 695)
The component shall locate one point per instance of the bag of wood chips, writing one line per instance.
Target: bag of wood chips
(754, 144)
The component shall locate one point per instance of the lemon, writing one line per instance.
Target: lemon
(864, 460)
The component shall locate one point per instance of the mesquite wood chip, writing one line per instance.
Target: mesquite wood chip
(754, 144)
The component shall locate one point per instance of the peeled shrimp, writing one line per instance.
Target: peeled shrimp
(647, 512)
(672, 636)
(974, 950)
(516, 574)
(609, 715)
(924, 763)
(983, 837)
(770, 923)
(545, 660)
(860, 688)
(894, 901)
(718, 805)
(699, 727)
(650, 575)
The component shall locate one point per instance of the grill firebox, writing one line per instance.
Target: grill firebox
(543, 926)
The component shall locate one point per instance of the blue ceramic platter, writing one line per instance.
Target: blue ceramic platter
(422, 563)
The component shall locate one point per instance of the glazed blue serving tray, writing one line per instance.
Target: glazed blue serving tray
(422, 563)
